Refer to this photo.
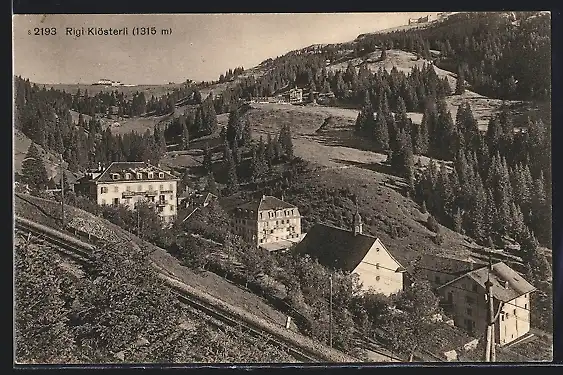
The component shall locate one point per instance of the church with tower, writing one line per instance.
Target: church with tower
(353, 251)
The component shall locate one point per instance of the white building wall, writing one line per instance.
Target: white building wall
(514, 320)
(128, 193)
(377, 271)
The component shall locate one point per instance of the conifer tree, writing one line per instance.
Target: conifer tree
(207, 159)
(460, 84)
(381, 132)
(246, 133)
(236, 152)
(185, 136)
(457, 221)
(212, 185)
(231, 172)
(33, 170)
(270, 151)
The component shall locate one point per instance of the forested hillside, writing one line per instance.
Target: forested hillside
(500, 55)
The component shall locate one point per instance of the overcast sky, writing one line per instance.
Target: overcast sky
(201, 46)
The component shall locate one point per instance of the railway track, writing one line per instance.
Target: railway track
(220, 319)
(80, 252)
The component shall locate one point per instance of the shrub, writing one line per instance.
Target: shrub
(438, 239)
(432, 224)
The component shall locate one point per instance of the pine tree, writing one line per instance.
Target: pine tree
(381, 132)
(492, 220)
(231, 172)
(185, 136)
(246, 133)
(460, 84)
(475, 217)
(211, 185)
(33, 170)
(233, 126)
(207, 160)
(236, 152)
(270, 151)
(457, 220)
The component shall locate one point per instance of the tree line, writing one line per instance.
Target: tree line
(500, 56)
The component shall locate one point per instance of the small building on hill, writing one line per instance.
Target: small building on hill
(465, 299)
(354, 252)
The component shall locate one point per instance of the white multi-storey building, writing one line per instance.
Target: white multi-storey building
(126, 183)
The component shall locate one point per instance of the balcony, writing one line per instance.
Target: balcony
(161, 203)
(129, 194)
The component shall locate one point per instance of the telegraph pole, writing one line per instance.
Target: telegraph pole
(490, 355)
(330, 315)
(62, 193)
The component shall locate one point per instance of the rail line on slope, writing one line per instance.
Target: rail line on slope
(81, 252)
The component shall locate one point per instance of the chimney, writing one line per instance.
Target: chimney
(99, 166)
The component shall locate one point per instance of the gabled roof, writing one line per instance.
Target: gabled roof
(516, 285)
(446, 265)
(267, 202)
(335, 247)
(132, 167)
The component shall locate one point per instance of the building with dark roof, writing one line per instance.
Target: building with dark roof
(126, 183)
(465, 298)
(270, 223)
(439, 270)
(354, 252)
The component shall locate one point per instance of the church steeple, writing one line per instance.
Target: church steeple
(357, 221)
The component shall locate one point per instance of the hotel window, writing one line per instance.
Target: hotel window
(127, 176)
(469, 312)
(514, 312)
(128, 188)
(103, 190)
(115, 176)
(151, 175)
(139, 187)
(116, 189)
(525, 305)
(160, 175)
(171, 208)
(161, 187)
(139, 176)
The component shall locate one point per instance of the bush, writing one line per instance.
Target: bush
(432, 224)
(438, 239)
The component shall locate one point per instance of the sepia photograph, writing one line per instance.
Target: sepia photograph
(282, 188)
